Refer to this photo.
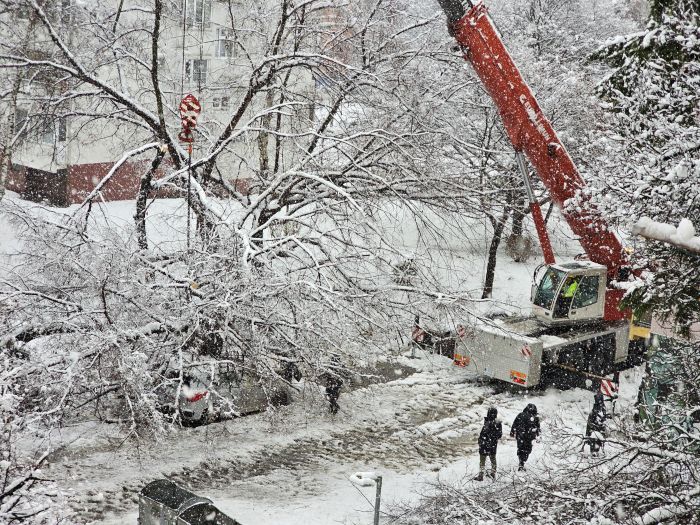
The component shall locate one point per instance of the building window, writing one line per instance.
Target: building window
(61, 129)
(224, 43)
(198, 12)
(20, 121)
(45, 132)
(51, 130)
(196, 71)
(220, 102)
(46, 129)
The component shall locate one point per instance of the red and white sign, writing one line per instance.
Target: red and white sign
(608, 387)
(190, 105)
(526, 351)
(189, 122)
(417, 334)
(190, 108)
(461, 331)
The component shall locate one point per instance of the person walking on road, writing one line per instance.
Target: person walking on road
(525, 429)
(333, 385)
(595, 427)
(491, 432)
(332, 380)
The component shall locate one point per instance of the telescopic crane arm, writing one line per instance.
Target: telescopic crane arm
(532, 134)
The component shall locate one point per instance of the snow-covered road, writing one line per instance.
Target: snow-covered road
(292, 467)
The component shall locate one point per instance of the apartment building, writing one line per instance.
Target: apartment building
(206, 48)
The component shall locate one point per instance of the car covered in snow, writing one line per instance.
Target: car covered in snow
(211, 392)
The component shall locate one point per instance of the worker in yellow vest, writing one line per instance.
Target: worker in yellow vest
(567, 296)
(571, 287)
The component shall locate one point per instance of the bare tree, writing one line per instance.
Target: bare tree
(327, 122)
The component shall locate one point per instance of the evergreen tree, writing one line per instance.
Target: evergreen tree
(653, 94)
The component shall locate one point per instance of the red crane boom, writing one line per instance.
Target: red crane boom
(532, 134)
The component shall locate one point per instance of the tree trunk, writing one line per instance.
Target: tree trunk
(264, 137)
(142, 198)
(4, 166)
(493, 248)
(10, 132)
(517, 218)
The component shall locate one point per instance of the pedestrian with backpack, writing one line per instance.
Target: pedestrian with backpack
(525, 429)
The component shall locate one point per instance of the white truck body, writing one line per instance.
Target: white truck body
(515, 349)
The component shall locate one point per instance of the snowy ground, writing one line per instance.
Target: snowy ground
(293, 466)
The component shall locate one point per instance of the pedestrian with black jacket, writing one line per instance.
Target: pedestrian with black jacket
(333, 383)
(491, 432)
(595, 427)
(525, 429)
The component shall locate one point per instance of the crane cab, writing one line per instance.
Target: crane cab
(569, 292)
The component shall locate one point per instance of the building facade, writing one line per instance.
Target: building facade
(206, 47)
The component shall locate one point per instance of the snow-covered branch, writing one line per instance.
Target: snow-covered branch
(683, 236)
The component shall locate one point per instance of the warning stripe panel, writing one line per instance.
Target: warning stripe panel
(608, 387)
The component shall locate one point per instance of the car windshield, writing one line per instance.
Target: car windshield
(548, 287)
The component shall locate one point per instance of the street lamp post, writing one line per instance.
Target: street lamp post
(368, 479)
(377, 500)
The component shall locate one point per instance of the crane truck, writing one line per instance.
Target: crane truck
(577, 328)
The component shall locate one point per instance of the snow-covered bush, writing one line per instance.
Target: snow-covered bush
(26, 495)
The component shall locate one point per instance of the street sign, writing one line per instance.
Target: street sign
(189, 104)
(186, 136)
(608, 387)
(190, 108)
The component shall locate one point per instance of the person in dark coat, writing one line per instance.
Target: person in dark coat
(525, 429)
(491, 432)
(333, 385)
(595, 428)
(290, 371)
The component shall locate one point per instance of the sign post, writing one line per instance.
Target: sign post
(190, 108)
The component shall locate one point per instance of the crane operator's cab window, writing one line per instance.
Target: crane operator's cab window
(587, 292)
(577, 292)
(544, 296)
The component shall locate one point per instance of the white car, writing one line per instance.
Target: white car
(211, 393)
